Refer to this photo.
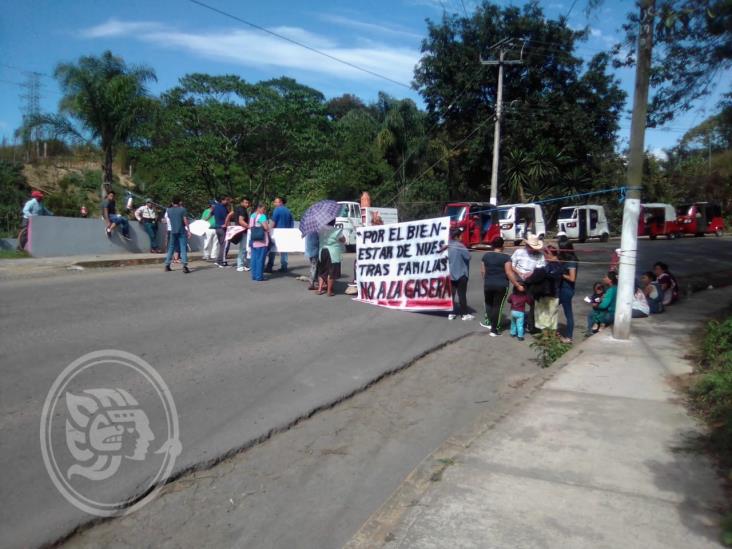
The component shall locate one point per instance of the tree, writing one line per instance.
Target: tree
(103, 98)
(551, 103)
(692, 48)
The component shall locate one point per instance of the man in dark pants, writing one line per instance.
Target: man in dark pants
(179, 234)
(458, 258)
(281, 219)
(524, 261)
(220, 212)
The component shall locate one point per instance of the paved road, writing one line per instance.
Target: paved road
(241, 359)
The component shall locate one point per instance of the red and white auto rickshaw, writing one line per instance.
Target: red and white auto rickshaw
(700, 218)
(657, 219)
(479, 221)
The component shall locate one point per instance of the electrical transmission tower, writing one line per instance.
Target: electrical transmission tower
(31, 109)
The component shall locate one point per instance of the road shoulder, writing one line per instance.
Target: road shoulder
(602, 455)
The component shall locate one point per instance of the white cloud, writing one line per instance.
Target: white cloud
(369, 27)
(600, 35)
(659, 153)
(114, 28)
(257, 49)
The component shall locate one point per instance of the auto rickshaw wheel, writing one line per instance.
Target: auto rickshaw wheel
(698, 235)
(669, 236)
(718, 232)
(652, 236)
(605, 237)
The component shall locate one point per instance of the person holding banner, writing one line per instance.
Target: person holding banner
(331, 251)
(458, 258)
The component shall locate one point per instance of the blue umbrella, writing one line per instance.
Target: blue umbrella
(318, 215)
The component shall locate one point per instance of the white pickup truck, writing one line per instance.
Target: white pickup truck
(352, 216)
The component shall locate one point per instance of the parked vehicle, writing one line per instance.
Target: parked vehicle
(656, 220)
(700, 218)
(479, 221)
(517, 221)
(352, 216)
(583, 222)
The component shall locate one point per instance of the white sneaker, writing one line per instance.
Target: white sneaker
(247, 269)
(485, 324)
(493, 334)
(468, 317)
(451, 316)
(240, 269)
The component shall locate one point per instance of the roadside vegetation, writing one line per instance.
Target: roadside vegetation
(711, 395)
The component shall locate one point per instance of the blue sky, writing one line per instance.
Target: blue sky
(176, 37)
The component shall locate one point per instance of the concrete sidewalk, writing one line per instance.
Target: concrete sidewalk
(603, 455)
(33, 267)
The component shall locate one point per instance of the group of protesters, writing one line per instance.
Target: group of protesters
(537, 279)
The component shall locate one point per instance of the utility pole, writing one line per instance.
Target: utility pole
(631, 210)
(501, 46)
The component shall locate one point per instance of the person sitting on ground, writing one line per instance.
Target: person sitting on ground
(653, 292)
(458, 258)
(518, 300)
(112, 219)
(640, 308)
(603, 313)
(32, 207)
(331, 241)
(598, 292)
(668, 283)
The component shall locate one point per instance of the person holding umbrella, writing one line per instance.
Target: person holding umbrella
(320, 218)
(331, 251)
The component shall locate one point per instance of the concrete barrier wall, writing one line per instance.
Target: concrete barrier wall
(8, 243)
(52, 236)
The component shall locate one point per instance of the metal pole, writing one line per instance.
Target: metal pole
(629, 237)
(497, 133)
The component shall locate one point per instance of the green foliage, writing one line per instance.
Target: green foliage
(549, 348)
(691, 49)
(560, 121)
(14, 191)
(712, 392)
(74, 191)
(103, 98)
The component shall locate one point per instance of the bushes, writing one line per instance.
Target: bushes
(712, 396)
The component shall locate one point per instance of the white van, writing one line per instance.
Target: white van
(352, 216)
(517, 221)
(583, 222)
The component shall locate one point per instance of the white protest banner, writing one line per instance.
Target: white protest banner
(404, 266)
(286, 240)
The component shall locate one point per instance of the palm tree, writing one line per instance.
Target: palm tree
(531, 174)
(103, 98)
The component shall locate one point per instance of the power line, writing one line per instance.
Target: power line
(300, 44)
(464, 10)
(570, 9)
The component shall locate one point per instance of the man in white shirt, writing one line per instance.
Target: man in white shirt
(524, 261)
(148, 216)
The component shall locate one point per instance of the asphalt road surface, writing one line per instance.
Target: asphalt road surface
(241, 359)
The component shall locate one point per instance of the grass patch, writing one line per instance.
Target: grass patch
(549, 348)
(711, 395)
(13, 254)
